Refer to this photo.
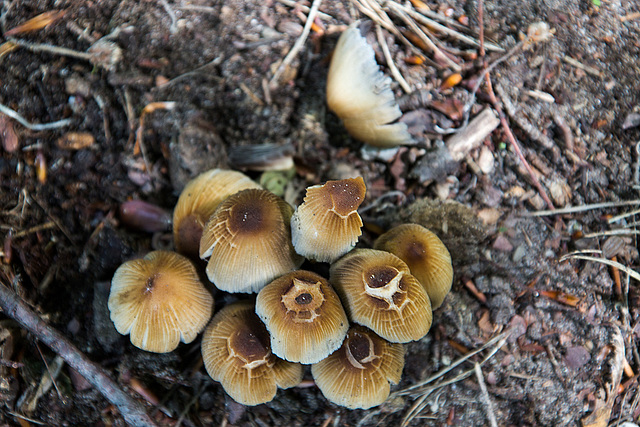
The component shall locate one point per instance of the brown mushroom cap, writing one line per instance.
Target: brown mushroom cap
(425, 255)
(379, 292)
(327, 225)
(237, 353)
(303, 315)
(160, 301)
(198, 201)
(249, 241)
(358, 374)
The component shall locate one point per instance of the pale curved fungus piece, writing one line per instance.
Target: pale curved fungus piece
(360, 94)
(237, 353)
(327, 224)
(249, 241)
(425, 255)
(160, 301)
(379, 292)
(198, 201)
(303, 315)
(358, 374)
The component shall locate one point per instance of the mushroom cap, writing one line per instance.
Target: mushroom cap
(236, 352)
(360, 94)
(160, 301)
(327, 224)
(198, 201)
(358, 374)
(425, 255)
(249, 241)
(379, 292)
(304, 316)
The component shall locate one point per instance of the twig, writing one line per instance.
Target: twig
(623, 216)
(12, 306)
(37, 127)
(576, 209)
(485, 397)
(56, 50)
(297, 46)
(392, 66)
(304, 8)
(589, 70)
(174, 21)
(610, 263)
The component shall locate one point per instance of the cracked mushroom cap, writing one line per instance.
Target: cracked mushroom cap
(379, 292)
(425, 255)
(360, 94)
(303, 315)
(198, 201)
(327, 224)
(237, 353)
(249, 241)
(358, 374)
(160, 301)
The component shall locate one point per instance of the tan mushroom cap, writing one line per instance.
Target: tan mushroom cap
(198, 201)
(304, 316)
(379, 292)
(425, 255)
(358, 374)
(160, 301)
(327, 224)
(249, 241)
(237, 353)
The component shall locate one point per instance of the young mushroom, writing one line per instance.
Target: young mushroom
(249, 241)
(358, 374)
(236, 352)
(327, 224)
(379, 292)
(360, 94)
(160, 301)
(303, 315)
(425, 255)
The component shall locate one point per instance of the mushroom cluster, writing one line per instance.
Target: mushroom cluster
(350, 327)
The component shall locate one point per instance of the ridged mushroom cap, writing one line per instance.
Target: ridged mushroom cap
(198, 201)
(358, 374)
(249, 241)
(379, 292)
(236, 352)
(360, 94)
(160, 301)
(327, 224)
(425, 255)
(303, 315)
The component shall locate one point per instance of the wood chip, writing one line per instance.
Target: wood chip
(75, 141)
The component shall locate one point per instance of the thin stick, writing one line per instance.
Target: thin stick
(303, 8)
(623, 216)
(589, 70)
(12, 306)
(37, 127)
(56, 50)
(392, 66)
(617, 232)
(576, 209)
(485, 397)
(610, 263)
(174, 21)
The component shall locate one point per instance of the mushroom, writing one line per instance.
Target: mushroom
(236, 352)
(358, 374)
(327, 225)
(360, 94)
(304, 316)
(249, 241)
(160, 301)
(379, 292)
(425, 255)
(198, 201)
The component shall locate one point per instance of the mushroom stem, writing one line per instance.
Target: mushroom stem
(12, 306)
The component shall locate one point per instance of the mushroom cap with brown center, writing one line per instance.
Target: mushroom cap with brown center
(159, 300)
(379, 292)
(249, 241)
(425, 255)
(327, 224)
(237, 353)
(303, 315)
(198, 201)
(357, 375)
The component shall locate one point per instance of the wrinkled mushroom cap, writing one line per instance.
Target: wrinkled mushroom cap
(425, 255)
(236, 352)
(358, 374)
(160, 301)
(327, 224)
(198, 201)
(379, 292)
(249, 241)
(304, 316)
